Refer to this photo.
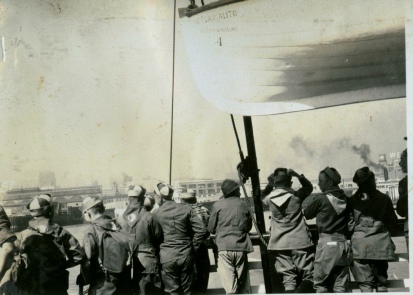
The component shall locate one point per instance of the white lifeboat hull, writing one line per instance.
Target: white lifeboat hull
(261, 57)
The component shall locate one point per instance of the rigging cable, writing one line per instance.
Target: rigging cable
(252, 212)
(241, 177)
(173, 92)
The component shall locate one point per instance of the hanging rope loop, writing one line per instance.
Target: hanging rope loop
(245, 172)
(250, 208)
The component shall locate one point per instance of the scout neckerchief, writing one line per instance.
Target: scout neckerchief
(280, 196)
(338, 204)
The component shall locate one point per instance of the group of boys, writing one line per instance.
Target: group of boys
(163, 250)
(166, 243)
(172, 256)
(354, 232)
(143, 253)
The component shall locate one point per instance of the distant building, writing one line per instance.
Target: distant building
(15, 200)
(47, 180)
(392, 166)
(207, 190)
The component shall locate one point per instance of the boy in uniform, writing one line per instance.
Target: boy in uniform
(148, 233)
(290, 240)
(183, 233)
(231, 221)
(403, 201)
(50, 249)
(94, 271)
(202, 262)
(334, 225)
(374, 220)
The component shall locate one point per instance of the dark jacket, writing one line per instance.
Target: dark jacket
(183, 231)
(50, 250)
(288, 228)
(231, 221)
(6, 235)
(403, 203)
(91, 270)
(374, 220)
(333, 211)
(148, 235)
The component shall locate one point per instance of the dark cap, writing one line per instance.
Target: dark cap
(280, 175)
(333, 174)
(362, 175)
(190, 194)
(228, 186)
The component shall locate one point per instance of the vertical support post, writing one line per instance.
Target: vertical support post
(256, 189)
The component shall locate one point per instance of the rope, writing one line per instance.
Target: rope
(173, 92)
(236, 136)
(241, 178)
(252, 212)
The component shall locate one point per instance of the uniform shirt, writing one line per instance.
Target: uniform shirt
(329, 221)
(288, 228)
(231, 221)
(148, 235)
(374, 220)
(183, 231)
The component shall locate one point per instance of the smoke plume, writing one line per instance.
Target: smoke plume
(301, 147)
(364, 152)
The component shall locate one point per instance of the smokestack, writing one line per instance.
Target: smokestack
(385, 173)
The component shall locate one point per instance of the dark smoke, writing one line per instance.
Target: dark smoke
(364, 152)
(344, 143)
(301, 147)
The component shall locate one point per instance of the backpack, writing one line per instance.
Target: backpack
(39, 254)
(116, 249)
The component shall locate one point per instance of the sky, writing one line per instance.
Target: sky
(86, 92)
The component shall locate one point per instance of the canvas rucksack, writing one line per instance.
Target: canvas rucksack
(116, 249)
(38, 252)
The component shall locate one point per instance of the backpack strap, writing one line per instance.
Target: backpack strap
(130, 248)
(100, 246)
(100, 251)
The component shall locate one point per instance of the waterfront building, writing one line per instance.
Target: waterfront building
(207, 190)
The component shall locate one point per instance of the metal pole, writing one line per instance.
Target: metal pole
(256, 194)
(173, 92)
